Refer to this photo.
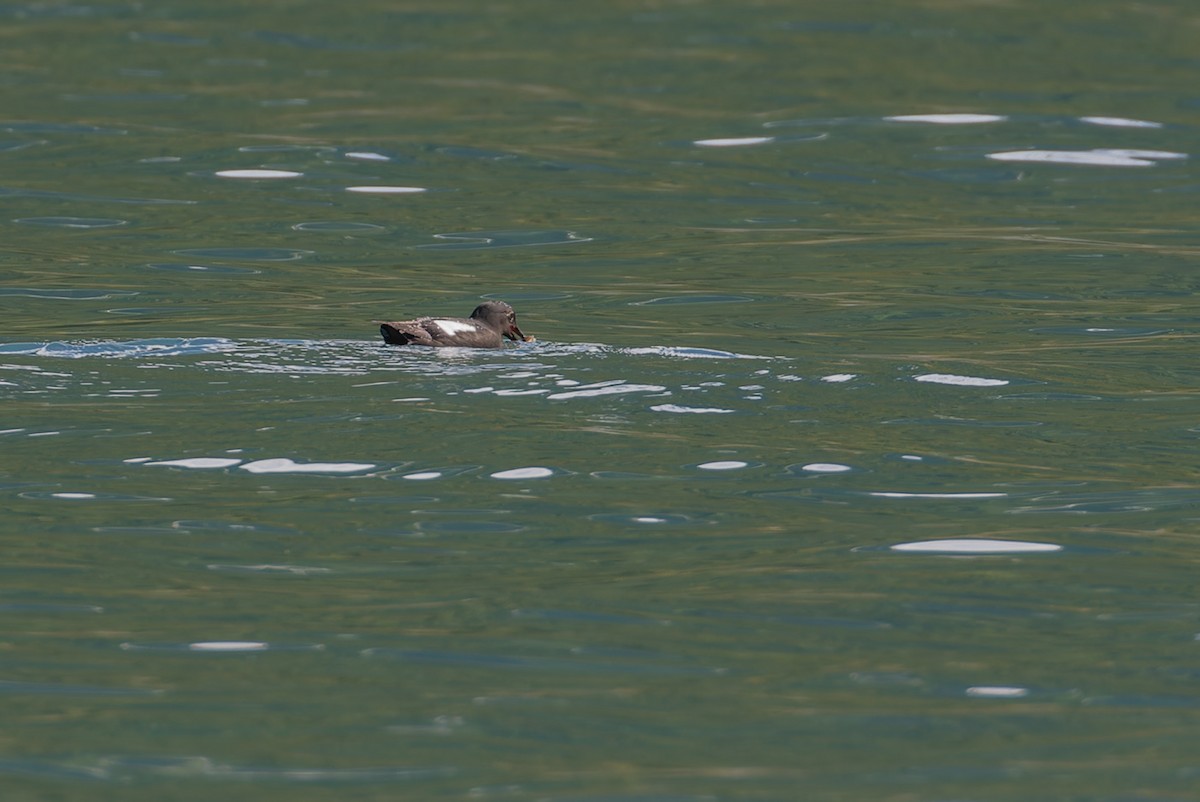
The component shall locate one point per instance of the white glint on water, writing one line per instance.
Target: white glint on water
(524, 473)
(734, 142)
(723, 465)
(228, 646)
(422, 476)
(997, 692)
(1141, 153)
(895, 494)
(198, 462)
(385, 190)
(368, 156)
(825, 467)
(690, 410)
(1120, 122)
(976, 546)
(691, 353)
(837, 378)
(607, 389)
(948, 119)
(959, 381)
(1085, 157)
(284, 465)
(258, 174)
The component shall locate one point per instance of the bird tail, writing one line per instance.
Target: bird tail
(393, 335)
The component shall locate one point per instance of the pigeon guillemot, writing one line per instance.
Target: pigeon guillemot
(489, 324)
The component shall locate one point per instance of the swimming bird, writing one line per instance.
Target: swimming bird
(488, 326)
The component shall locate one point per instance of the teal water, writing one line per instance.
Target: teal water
(854, 458)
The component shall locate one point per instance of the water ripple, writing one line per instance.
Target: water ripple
(532, 663)
(247, 254)
(672, 300)
(167, 346)
(67, 689)
(187, 267)
(11, 192)
(691, 353)
(1140, 500)
(221, 647)
(476, 240)
(124, 769)
(72, 222)
(64, 294)
(58, 128)
(669, 382)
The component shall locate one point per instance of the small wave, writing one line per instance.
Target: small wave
(686, 352)
(122, 349)
(615, 387)
(544, 370)
(476, 240)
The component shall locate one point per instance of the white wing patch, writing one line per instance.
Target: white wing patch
(453, 327)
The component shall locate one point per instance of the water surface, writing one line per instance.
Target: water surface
(853, 458)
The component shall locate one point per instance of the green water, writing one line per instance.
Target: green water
(250, 553)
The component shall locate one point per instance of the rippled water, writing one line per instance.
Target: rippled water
(853, 459)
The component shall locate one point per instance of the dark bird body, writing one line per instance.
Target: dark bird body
(487, 327)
